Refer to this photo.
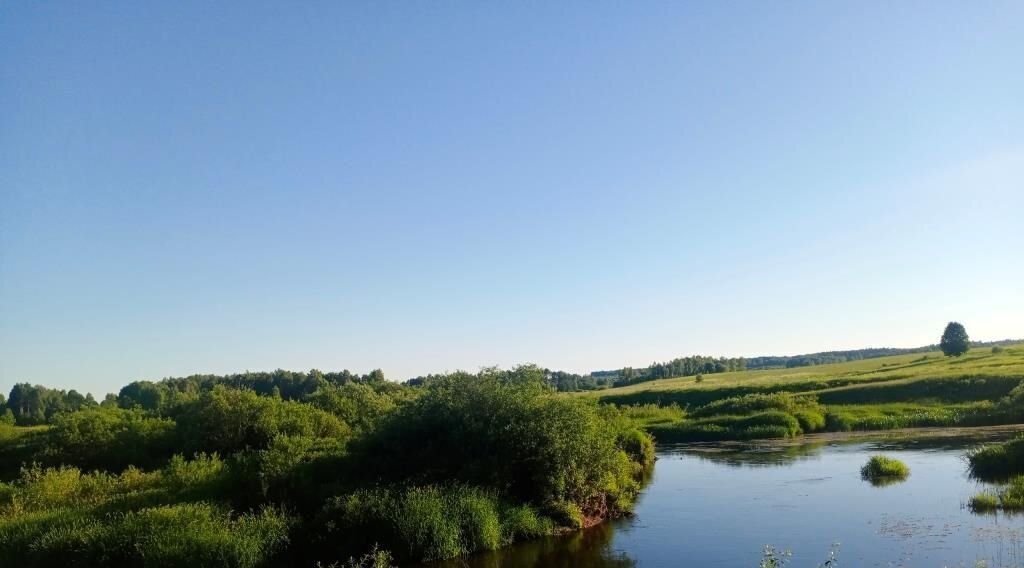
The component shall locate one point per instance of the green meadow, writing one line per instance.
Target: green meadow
(981, 387)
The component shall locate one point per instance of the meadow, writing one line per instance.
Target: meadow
(982, 387)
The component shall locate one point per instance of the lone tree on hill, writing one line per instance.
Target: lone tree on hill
(954, 341)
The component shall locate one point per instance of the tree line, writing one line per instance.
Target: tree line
(31, 405)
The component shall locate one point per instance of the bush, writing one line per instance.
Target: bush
(358, 405)
(996, 461)
(506, 432)
(110, 439)
(879, 467)
(810, 421)
(838, 422)
(227, 421)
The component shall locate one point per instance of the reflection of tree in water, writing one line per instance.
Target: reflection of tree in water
(591, 547)
(752, 454)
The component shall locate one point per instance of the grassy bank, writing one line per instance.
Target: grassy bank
(980, 388)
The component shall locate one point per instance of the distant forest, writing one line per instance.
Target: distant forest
(34, 404)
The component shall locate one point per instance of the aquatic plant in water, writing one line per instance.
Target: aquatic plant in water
(882, 470)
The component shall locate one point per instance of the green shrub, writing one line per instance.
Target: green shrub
(838, 422)
(994, 461)
(879, 467)
(227, 420)
(810, 420)
(358, 405)
(503, 430)
(110, 439)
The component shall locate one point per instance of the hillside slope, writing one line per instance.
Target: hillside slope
(888, 392)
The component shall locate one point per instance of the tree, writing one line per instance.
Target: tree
(954, 341)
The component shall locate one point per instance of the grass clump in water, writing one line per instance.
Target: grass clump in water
(996, 461)
(883, 470)
(984, 502)
(1009, 498)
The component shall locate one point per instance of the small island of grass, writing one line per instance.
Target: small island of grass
(1009, 498)
(881, 470)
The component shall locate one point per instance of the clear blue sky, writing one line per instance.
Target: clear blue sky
(214, 187)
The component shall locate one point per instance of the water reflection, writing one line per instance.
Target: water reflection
(751, 454)
(583, 549)
(884, 481)
(779, 453)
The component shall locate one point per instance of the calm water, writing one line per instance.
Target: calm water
(719, 505)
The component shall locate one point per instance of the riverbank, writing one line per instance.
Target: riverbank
(986, 433)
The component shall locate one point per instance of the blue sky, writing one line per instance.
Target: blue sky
(214, 187)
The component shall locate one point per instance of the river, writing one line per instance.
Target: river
(719, 505)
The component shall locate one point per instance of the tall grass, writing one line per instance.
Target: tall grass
(994, 461)
(745, 417)
(429, 523)
(133, 518)
(181, 535)
(881, 467)
(1008, 498)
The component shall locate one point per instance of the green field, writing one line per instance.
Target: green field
(903, 391)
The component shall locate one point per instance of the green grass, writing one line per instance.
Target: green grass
(133, 518)
(1006, 367)
(983, 387)
(430, 523)
(651, 414)
(984, 501)
(995, 461)
(880, 468)
(1008, 498)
